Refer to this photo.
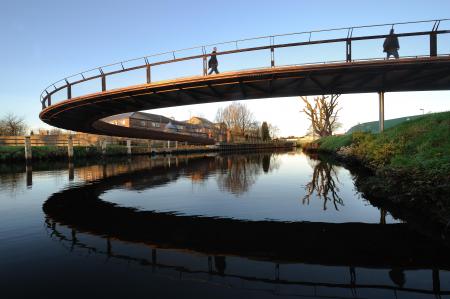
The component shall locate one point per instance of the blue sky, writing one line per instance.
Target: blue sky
(43, 41)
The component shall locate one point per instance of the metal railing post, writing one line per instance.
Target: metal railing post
(103, 83)
(272, 52)
(348, 50)
(433, 44)
(148, 70)
(69, 91)
(205, 62)
(103, 79)
(272, 57)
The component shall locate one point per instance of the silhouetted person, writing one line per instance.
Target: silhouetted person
(391, 45)
(213, 63)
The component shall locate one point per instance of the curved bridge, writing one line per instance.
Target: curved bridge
(84, 113)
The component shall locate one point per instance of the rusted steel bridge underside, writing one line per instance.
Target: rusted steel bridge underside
(85, 113)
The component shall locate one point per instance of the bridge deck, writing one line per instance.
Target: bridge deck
(84, 113)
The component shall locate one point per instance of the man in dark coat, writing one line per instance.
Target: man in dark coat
(391, 45)
(213, 63)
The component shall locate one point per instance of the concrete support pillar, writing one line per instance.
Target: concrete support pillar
(381, 110)
(168, 144)
(28, 155)
(129, 147)
(70, 147)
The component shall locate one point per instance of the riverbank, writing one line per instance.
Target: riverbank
(409, 164)
(55, 153)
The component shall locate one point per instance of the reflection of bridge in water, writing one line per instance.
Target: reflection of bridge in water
(84, 113)
(215, 271)
(368, 247)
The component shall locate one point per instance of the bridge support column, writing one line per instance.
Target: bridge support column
(129, 147)
(381, 110)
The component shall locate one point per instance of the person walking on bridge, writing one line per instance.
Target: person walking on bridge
(213, 63)
(391, 45)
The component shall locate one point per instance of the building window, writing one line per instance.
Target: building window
(155, 125)
(123, 122)
(142, 123)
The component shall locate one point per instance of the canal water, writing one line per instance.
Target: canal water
(255, 225)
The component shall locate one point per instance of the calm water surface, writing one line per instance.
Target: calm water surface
(259, 225)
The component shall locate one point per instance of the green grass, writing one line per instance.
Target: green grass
(333, 143)
(374, 126)
(11, 153)
(421, 144)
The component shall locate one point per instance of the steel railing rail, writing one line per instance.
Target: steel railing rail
(69, 81)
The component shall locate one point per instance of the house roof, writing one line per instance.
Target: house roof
(201, 120)
(151, 117)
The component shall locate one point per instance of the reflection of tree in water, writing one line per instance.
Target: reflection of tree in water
(325, 184)
(238, 173)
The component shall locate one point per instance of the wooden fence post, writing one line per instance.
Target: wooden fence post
(129, 147)
(29, 171)
(70, 147)
(103, 142)
(71, 171)
(28, 155)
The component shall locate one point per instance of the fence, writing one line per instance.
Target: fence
(347, 41)
(69, 141)
(77, 140)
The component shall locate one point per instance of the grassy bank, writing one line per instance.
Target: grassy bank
(422, 144)
(410, 162)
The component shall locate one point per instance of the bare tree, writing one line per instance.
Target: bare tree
(56, 131)
(324, 183)
(322, 113)
(236, 117)
(12, 125)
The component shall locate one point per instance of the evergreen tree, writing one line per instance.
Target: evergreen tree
(265, 134)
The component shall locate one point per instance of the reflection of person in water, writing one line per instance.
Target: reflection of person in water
(397, 276)
(220, 263)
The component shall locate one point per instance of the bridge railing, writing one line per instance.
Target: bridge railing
(346, 37)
